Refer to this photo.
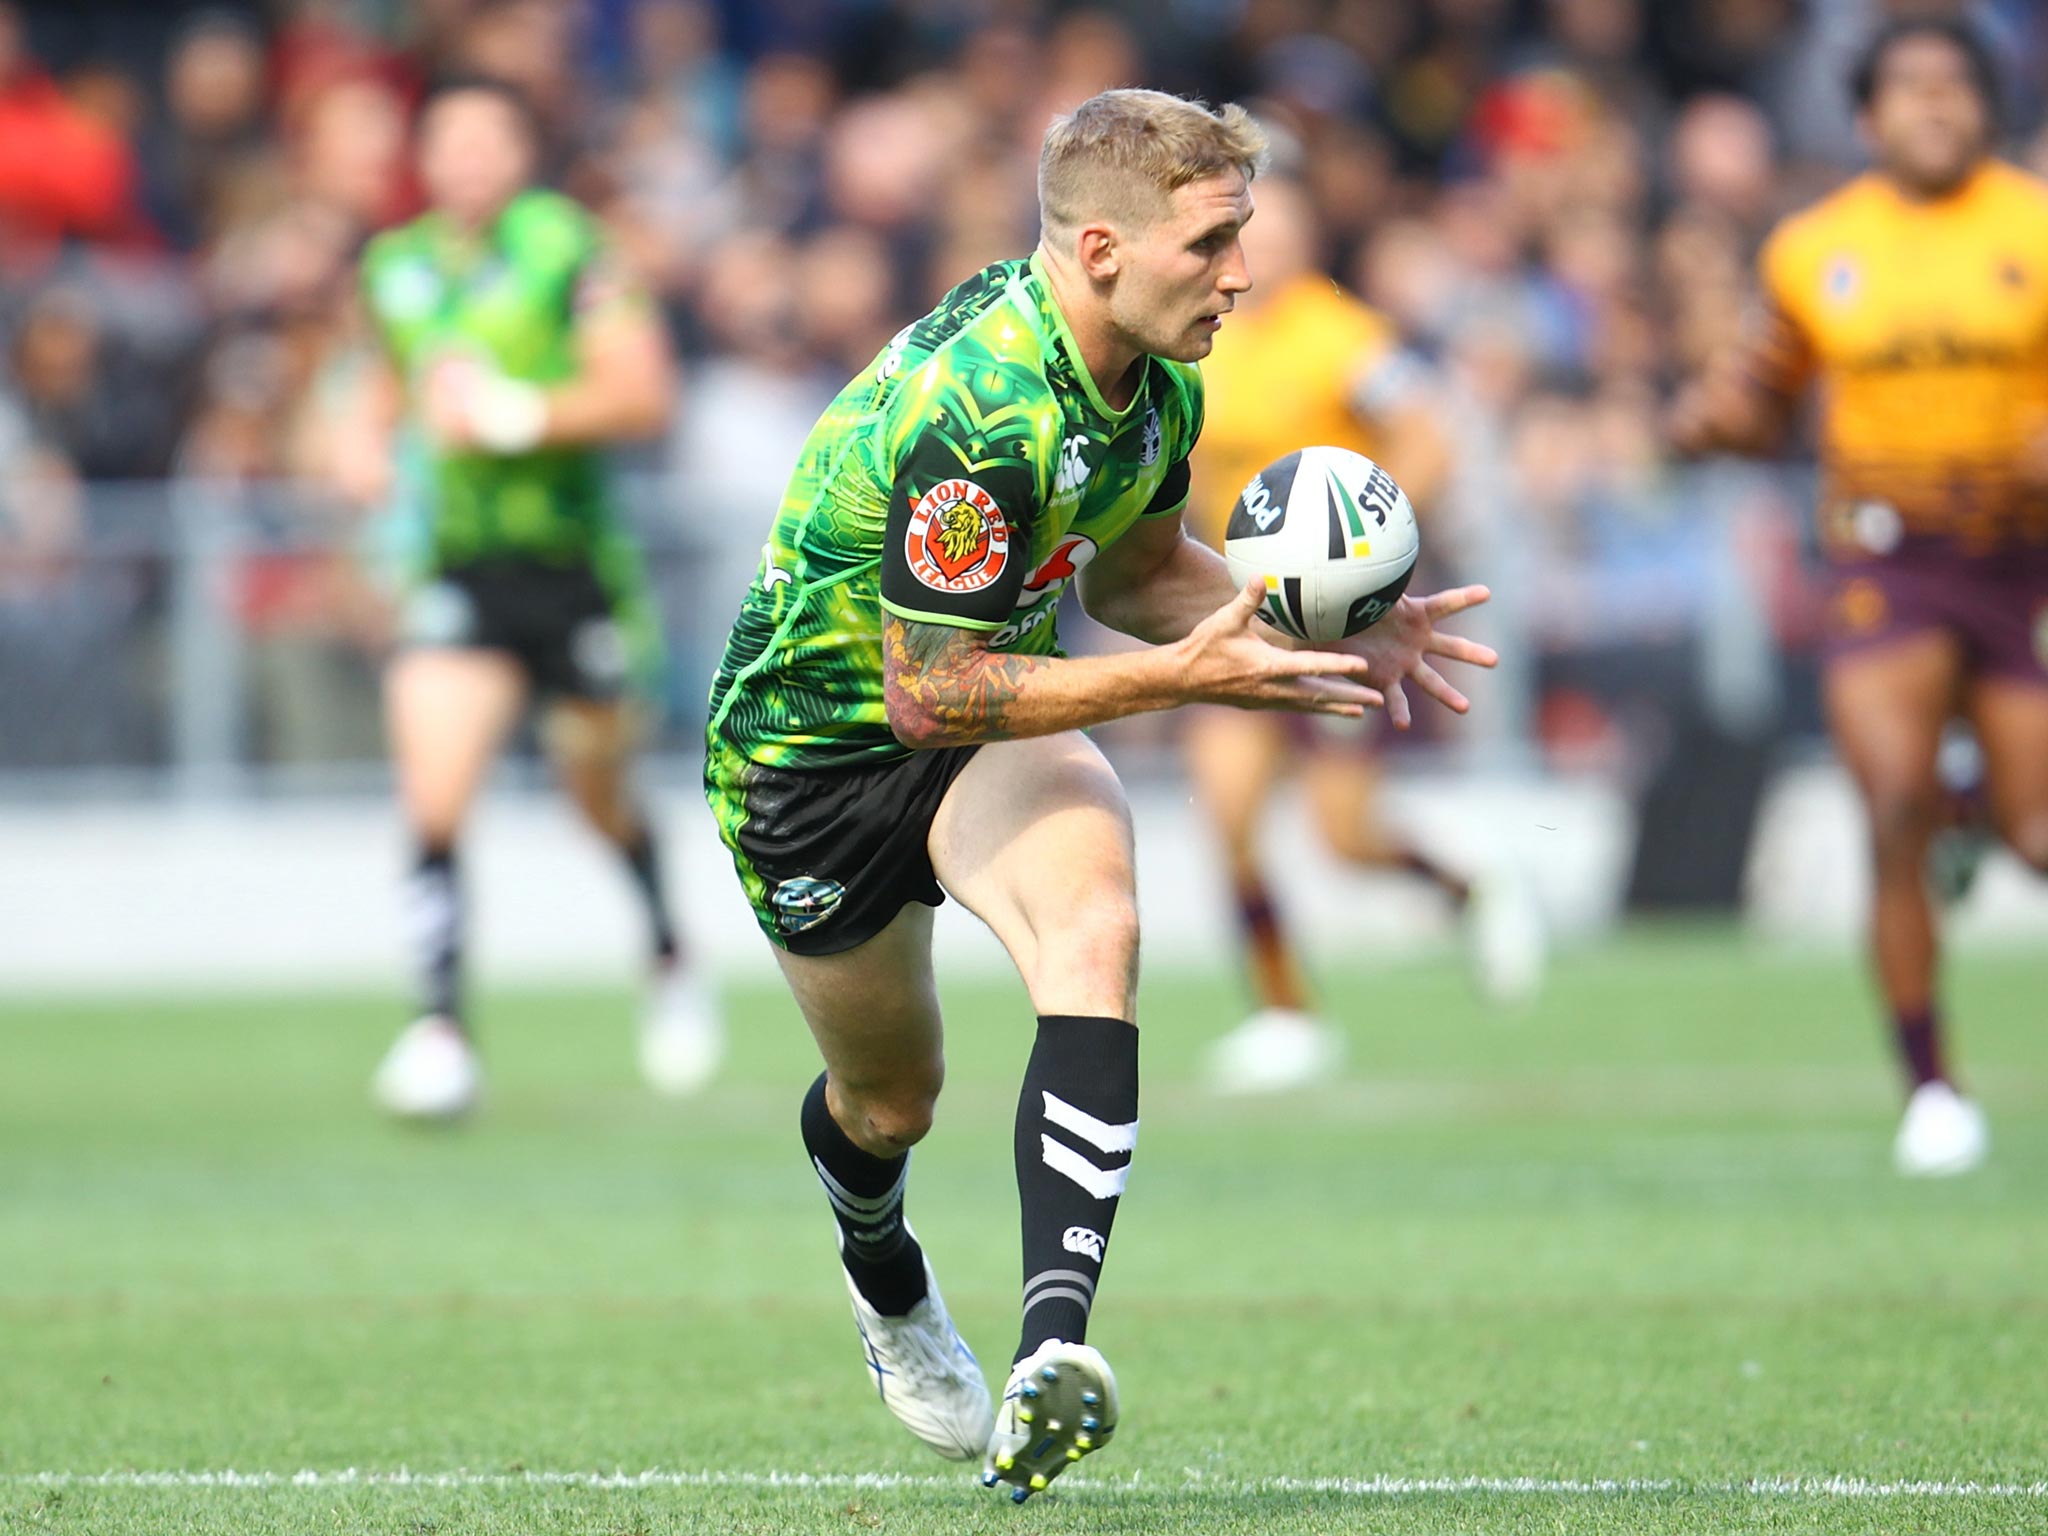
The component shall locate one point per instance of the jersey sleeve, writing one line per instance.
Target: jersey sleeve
(602, 287)
(1172, 494)
(958, 536)
(1182, 427)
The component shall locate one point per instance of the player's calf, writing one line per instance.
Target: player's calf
(1077, 1128)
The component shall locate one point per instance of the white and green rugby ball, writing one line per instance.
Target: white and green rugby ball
(1331, 536)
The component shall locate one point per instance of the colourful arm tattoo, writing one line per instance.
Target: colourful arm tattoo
(946, 687)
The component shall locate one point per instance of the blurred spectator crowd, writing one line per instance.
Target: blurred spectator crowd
(1556, 200)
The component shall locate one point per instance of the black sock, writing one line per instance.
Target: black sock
(643, 863)
(867, 1198)
(433, 903)
(1077, 1125)
(1919, 1039)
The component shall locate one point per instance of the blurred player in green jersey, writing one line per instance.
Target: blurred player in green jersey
(893, 719)
(512, 352)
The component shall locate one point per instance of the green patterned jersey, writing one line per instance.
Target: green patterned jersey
(964, 479)
(509, 300)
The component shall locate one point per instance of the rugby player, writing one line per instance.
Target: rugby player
(892, 720)
(511, 352)
(1915, 302)
(1302, 361)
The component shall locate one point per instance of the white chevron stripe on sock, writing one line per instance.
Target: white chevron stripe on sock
(1102, 1183)
(1098, 1133)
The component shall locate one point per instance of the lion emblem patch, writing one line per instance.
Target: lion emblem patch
(958, 539)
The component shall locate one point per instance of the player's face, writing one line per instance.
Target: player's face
(1926, 121)
(1182, 275)
(475, 155)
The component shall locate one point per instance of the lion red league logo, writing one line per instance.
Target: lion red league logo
(958, 539)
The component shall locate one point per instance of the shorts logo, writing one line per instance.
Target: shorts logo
(598, 648)
(804, 901)
(1861, 608)
(2041, 636)
(1063, 564)
(959, 540)
(1877, 526)
(1083, 1240)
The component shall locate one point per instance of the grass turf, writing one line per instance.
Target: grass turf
(1645, 1232)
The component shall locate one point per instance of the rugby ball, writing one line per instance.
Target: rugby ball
(1330, 535)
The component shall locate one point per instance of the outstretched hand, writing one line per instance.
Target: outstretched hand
(1227, 660)
(1398, 648)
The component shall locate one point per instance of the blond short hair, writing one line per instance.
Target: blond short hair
(1122, 153)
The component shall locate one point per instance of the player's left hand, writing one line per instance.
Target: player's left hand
(1400, 645)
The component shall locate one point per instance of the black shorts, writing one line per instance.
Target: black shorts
(828, 857)
(557, 622)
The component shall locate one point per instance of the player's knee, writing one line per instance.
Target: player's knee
(1903, 819)
(889, 1112)
(1094, 939)
(896, 1121)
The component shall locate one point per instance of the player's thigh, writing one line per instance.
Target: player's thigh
(1034, 838)
(447, 711)
(1886, 707)
(874, 1011)
(1235, 757)
(2011, 721)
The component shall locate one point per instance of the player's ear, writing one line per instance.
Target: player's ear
(1100, 251)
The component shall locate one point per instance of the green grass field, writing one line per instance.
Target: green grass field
(1640, 1247)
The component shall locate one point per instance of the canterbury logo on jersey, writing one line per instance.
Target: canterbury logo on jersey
(1104, 1181)
(1073, 468)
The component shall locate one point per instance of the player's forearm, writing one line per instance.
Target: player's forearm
(1728, 415)
(944, 688)
(1166, 602)
(590, 412)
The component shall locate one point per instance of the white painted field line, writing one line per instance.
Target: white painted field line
(1357, 1487)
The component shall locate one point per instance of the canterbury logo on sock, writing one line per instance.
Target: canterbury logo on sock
(1083, 1240)
(1103, 1181)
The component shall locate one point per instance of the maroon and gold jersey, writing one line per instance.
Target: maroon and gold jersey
(1924, 327)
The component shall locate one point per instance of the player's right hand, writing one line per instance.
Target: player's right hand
(1227, 659)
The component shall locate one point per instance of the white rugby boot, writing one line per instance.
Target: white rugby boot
(1274, 1050)
(430, 1072)
(1943, 1133)
(1059, 1406)
(1505, 939)
(925, 1374)
(682, 1036)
